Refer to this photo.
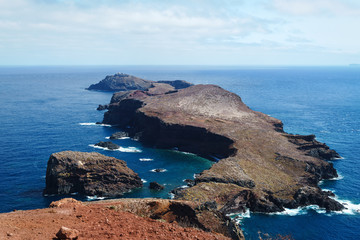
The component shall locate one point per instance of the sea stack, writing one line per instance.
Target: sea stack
(91, 174)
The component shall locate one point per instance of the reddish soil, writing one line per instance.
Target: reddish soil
(93, 221)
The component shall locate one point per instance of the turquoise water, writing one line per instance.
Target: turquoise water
(47, 109)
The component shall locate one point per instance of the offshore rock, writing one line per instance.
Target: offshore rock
(108, 145)
(156, 186)
(259, 165)
(119, 135)
(90, 174)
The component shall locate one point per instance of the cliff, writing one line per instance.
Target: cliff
(261, 167)
(89, 174)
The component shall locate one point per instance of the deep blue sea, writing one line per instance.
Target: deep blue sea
(47, 109)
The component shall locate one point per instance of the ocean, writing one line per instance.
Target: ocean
(46, 109)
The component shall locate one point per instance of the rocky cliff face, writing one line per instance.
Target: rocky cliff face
(260, 167)
(89, 174)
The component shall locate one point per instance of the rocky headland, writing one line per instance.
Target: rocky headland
(259, 167)
(91, 174)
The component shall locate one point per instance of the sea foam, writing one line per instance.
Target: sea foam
(94, 124)
(146, 159)
(93, 198)
(121, 149)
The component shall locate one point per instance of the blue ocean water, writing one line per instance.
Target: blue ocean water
(47, 109)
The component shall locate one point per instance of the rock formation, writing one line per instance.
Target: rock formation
(121, 82)
(91, 174)
(156, 186)
(108, 145)
(125, 82)
(260, 166)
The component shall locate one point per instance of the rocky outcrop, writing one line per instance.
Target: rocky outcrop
(102, 107)
(156, 186)
(89, 174)
(108, 145)
(259, 166)
(119, 135)
(178, 84)
(121, 82)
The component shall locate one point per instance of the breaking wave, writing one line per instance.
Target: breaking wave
(94, 124)
(146, 159)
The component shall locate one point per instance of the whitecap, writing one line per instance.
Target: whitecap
(146, 159)
(107, 137)
(159, 170)
(93, 198)
(121, 149)
(339, 177)
(171, 195)
(238, 217)
(143, 180)
(98, 147)
(129, 149)
(94, 124)
(350, 208)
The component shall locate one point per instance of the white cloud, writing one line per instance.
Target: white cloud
(311, 7)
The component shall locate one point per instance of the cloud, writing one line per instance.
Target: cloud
(311, 7)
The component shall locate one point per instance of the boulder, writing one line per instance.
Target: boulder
(91, 174)
(67, 233)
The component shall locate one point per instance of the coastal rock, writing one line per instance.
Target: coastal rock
(156, 186)
(91, 174)
(102, 107)
(108, 145)
(119, 135)
(178, 84)
(121, 82)
(259, 166)
(312, 147)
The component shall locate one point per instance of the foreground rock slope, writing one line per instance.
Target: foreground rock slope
(91, 174)
(116, 219)
(261, 167)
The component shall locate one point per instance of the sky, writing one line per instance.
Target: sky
(179, 32)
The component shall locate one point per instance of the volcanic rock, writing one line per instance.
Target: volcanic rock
(178, 84)
(91, 174)
(102, 107)
(156, 186)
(119, 135)
(108, 145)
(260, 166)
